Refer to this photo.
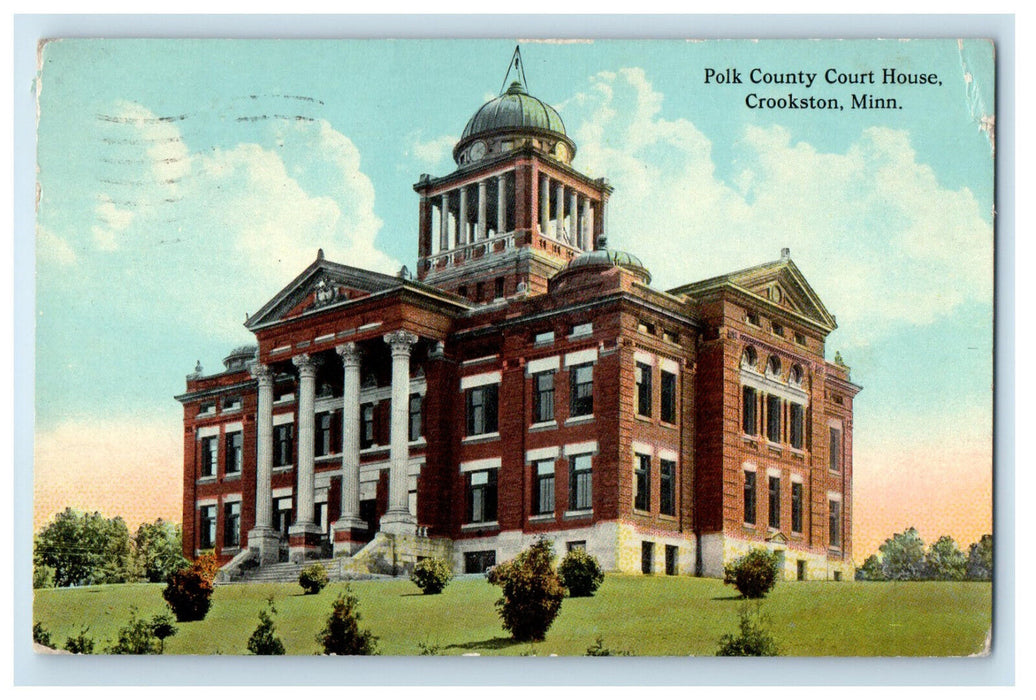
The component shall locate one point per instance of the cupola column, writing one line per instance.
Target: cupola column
(462, 217)
(263, 539)
(304, 535)
(584, 222)
(483, 201)
(544, 195)
(573, 208)
(398, 520)
(501, 204)
(559, 217)
(444, 222)
(349, 521)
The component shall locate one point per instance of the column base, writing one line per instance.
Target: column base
(398, 522)
(304, 542)
(265, 542)
(346, 535)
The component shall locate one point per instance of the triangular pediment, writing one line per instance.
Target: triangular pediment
(777, 538)
(322, 284)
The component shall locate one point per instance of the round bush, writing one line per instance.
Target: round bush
(754, 574)
(188, 594)
(313, 578)
(431, 575)
(532, 592)
(580, 573)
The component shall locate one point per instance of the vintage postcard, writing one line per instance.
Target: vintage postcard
(457, 347)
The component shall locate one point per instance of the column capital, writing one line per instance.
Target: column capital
(306, 363)
(262, 373)
(401, 341)
(350, 354)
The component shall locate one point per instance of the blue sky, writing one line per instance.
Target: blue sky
(184, 182)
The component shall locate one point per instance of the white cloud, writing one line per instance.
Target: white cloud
(436, 153)
(877, 235)
(51, 248)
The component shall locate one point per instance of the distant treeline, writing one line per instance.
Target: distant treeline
(903, 557)
(81, 549)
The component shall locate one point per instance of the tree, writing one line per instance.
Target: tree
(944, 561)
(264, 640)
(189, 591)
(580, 573)
(754, 637)
(754, 574)
(137, 637)
(158, 550)
(903, 557)
(342, 635)
(532, 592)
(871, 569)
(980, 559)
(162, 627)
(84, 549)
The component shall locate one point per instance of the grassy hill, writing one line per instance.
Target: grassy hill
(643, 615)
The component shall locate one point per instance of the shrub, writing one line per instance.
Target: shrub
(598, 649)
(342, 635)
(431, 575)
(40, 635)
(580, 573)
(264, 640)
(42, 576)
(162, 627)
(80, 644)
(313, 578)
(137, 637)
(189, 592)
(753, 638)
(754, 574)
(532, 592)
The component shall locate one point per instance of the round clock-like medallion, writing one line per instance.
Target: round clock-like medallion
(477, 150)
(775, 294)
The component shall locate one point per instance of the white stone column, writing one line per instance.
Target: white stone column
(305, 531)
(559, 217)
(584, 221)
(544, 205)
(398, 519)
(462, 217)
(573, 213)
(444, 223)
(483, 201)
(501, 204)
(262, 538)
(349, 519)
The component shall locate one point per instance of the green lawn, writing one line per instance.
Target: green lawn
(644, 615)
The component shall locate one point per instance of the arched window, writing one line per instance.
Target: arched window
(749, 358)
(795, 377)
(773, 367)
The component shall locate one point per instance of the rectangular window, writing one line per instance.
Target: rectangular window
(231, 403)
(543, 338)
(642, 477)
(208, 457)
(773, 418)
(668, 389)
(775, 502)
(581, 379)
(207, 527)
(795, 418)
(800, 570)
(643, 389)
(366, 425)
(482, 403)
(232, 524)
(322, 439)
(282, 515)
(796, 507)
(667, 487)
(580, 487)
(482, 496)
(543, 397)
(835, 525)
(479, 562)
(282, 445)
(416, 429)
(670, 560)
(835, 450)
(576, 545)
(800, 338)
(583, 329)
(750, 404)
(479, 291)
(498, 288)
(647, 557)
(233, 453)
(778, 329)
(750, 497)
(543, 487)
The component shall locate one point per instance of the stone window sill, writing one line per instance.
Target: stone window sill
(485, 437)
(233, 476)
(494, 525)
(546, 425)
(644, 419)
(572, 514)
(207, 480)
(542, 518)
(283, 468)
(580, 419)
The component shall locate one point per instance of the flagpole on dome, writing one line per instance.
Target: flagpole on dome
(519, 68)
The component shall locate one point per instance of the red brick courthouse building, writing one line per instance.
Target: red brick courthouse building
(526, 381)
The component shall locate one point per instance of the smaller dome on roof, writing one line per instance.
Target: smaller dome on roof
(604, 257)
(239, 356)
